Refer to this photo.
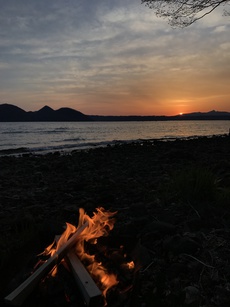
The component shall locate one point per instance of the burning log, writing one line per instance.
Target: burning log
(18, 296)
(91, 293)
(71, 246)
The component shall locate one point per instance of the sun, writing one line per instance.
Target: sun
(181, 113)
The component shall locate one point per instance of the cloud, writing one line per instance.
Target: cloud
(220, 29)
(101, 52)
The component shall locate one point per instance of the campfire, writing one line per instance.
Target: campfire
(96, 268)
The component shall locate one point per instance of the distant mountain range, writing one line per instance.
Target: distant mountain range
(11, 113)
(212, 115)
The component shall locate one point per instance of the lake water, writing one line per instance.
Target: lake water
(42, 137)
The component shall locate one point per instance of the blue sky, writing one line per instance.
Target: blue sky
(112, 58)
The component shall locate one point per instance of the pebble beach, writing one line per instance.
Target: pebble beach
(173, 204)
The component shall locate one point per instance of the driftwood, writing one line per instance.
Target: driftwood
(91, 294)
(18, 296)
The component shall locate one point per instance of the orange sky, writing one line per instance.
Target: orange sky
(111, 58)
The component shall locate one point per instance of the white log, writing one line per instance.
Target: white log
(19, 295)
(91, 294)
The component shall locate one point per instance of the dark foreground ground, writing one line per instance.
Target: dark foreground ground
(173, 203)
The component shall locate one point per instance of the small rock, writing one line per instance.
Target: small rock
(141, 256)
(192, 295)
(160, 228)
(177, 269)
(178, 244)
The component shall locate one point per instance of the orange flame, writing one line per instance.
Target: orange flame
(99, 225)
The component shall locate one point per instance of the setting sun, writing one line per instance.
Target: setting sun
(181, 113)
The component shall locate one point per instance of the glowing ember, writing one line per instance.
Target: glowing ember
(130, 265)
(99, 273)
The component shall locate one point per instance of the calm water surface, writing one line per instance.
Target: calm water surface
(65, 136)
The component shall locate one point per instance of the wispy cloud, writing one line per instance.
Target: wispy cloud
(94, 55)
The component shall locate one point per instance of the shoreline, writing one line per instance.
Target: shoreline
(84, 147)
(150, 186)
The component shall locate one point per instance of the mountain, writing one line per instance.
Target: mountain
(11, 113)
(212, 115)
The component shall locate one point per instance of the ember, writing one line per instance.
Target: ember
(76, 250)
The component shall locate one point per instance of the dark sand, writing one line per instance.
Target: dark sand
(173, 203)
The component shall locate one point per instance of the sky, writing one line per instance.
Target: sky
(107, 57)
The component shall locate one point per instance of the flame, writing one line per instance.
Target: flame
(58, 242)
(99, 225)
(107, 280)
